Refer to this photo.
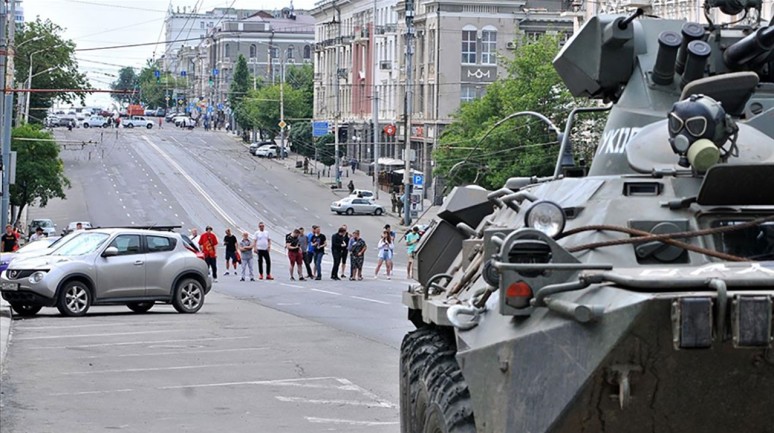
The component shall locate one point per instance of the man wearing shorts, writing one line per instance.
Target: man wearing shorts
(230, 241)
(295, 255)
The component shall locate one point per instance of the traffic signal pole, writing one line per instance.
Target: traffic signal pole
(409, 106)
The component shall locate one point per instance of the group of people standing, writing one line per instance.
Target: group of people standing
(305, 252)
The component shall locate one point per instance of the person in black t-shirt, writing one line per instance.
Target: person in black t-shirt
(230, 241)
(10, 241)
(318, 243)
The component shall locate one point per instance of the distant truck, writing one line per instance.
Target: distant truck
(137, 121)
(135, 110)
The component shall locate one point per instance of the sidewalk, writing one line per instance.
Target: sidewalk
(5, 331)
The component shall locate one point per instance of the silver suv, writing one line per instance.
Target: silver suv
(132, 267)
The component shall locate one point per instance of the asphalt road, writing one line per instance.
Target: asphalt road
(344, 335)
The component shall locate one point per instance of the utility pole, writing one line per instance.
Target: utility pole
(375, 105)
(408, 109)
(337, 162)
(282, 109)
(6, 68)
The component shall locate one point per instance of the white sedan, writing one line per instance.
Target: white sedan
(95, 122)
(352, 205)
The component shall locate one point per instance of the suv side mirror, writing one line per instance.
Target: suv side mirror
(110, 252)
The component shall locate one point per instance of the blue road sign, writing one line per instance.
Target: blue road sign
(220, 106)
(215, 72)
(209, 108)
(419, 179)
(183, 73)
(319, 129)
(156, 74)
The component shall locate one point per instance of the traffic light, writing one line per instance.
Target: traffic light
(343, 134)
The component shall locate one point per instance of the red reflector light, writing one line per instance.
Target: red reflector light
(518, 290)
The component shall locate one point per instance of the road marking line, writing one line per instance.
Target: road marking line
(325, 291)
(138, 370)
(276, 382)
(349, 385)
(334, 402)
(61, 394)
(185, 352)
(52, 337)
(130, 343)
(348, 421)
(292, 285)
(370, 300)
(95, 325)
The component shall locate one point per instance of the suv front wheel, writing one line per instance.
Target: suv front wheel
(74, 299)
(189, 296)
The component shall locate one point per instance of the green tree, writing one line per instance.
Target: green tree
(523, 146)
(240, 84)
(154, 90)
(39, 170)
(127, 80)
(261, 108)
(301, 78)
(53, 66)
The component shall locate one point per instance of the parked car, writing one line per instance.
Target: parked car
(132, 267)
(52, 121)
(185, 122)
(30, 249)
(160, 112)
(257, 144)
(170, 117)
(65, 121)
(362, 193)
(73, 226)
(149, 112)
(48, 226)
(352, 205)
(137, 121)
(96, 122)
(269, 151)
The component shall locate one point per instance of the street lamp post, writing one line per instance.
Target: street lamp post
(29, 86)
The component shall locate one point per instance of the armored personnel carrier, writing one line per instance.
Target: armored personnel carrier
(636, 297)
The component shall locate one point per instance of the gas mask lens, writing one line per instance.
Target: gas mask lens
(696, 126)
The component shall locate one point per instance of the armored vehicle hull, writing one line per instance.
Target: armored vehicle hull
(636, 299)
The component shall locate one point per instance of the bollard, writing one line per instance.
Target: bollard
(89, 155)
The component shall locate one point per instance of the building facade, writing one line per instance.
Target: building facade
(457, 45)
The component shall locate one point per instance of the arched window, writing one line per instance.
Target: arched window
(469, 44)
(307, 52)
(253, 51)
(489, 45)
(291, 52)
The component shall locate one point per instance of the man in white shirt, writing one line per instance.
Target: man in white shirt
(38, 235)
(262, 245)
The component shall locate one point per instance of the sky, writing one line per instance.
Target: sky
(104, 23)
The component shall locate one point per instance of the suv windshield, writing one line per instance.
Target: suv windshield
(84, 243)
(41, 223)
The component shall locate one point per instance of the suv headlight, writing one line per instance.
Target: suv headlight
(546, 216)
(37, 276)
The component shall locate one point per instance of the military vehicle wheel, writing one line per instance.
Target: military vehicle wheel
(140, 307)
(26, 309)
(433, 394)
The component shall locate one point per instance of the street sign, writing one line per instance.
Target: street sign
(319, 129)
(389, 130)
(183, 73)
(220, 105)
(418, 179)
(156, 74)
(282, 124)
(215, 72)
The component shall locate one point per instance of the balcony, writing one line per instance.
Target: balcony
(385, 65)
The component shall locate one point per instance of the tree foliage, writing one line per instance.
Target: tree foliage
(127, 80)
(523, 146)
(53, 66)
(39, 170)
(154, 90)
(240, 84)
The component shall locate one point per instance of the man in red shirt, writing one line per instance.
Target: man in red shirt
(208, 241)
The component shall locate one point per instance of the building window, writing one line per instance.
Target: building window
(307, 52)
(201, 24)
(469, 46)
(291, 52)
(467, 93)
(489, 47)
(227, 51)
(253, 51)
(274, 52)
(533, 35)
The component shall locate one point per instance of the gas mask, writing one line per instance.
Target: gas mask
(698, 129)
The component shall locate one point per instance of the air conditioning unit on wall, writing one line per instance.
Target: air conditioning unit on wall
(510, 45)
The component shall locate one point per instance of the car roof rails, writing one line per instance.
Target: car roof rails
(141, 227)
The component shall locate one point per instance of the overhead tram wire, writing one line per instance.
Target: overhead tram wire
(143, 44)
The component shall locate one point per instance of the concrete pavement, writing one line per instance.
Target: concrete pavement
(5, 332)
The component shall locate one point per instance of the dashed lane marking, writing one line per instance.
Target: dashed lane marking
(292, 285)
(348, 421)
(333, 402)
(138, 370)
(326, 291)
(370, 300)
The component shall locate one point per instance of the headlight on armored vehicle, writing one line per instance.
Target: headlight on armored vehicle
(546, 216)
(36, 277)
